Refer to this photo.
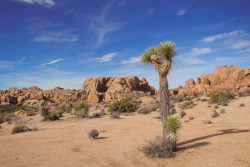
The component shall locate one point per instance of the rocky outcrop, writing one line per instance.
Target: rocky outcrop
(224, 77)
(35, 96)
(114, 88)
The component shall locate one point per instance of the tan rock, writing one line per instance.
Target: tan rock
(93, 98)
(189, 83)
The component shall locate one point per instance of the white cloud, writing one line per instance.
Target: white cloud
(131, 60)
(199, 51)
(224, 23)
(51, 62)
(192, 57)
(225, 59)
(241, 44)
(47, 3)
(100, 24)
(181, 12)
(56, 36)
(106, 58)
(220, 36)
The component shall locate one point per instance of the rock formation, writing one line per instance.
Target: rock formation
(115, 88)
(224, 77)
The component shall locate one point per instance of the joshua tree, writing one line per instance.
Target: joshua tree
(161, 56)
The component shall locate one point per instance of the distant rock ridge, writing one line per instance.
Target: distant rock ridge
(94, 90)
(224, 77)
(115, 88)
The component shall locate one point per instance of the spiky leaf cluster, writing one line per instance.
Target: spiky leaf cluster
(166, 50)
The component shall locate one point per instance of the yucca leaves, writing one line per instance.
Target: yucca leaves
(165, 49)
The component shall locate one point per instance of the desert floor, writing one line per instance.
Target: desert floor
(224, 143)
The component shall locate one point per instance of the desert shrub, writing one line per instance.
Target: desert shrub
(221, 96)
(25, 107)
(145, 111)
(179, 98)
(241, 105)
(216, 106)
(93, 134)
(122, 106)
(159, 147)
(65, 108)
(7, 108)
(45, 111)
(182, 114)
(173, 123)
(84, 113)
(115, 115)
(81, 105)
(186, 104)
(215, 114)
(19, 128)
(188, 98)
(97, 114)
(53, 116)
(173, 98)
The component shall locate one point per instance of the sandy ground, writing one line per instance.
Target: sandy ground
(224, 143)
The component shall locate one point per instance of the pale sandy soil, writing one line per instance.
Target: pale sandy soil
(224, 143)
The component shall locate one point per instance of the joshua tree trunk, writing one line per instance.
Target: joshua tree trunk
(164, 102)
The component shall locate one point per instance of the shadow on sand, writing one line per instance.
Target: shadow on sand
(181, 145)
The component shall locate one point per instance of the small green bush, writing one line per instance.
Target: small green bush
(81, 105)
(188, 98)
(122, 106)
(221, 96)
(19, 128)
(186, 104)
(53, 116)
(83, 113)
(173, 123)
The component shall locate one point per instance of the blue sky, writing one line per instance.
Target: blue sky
(48, 43)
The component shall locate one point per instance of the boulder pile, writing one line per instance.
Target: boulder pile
(224, 77)
(115, 88)
(36, 97)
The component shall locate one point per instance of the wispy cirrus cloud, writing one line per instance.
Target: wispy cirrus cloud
(241, 44)
(220, 36)
(131, 60)
(46, 3)
(181, 12)
(10, 64)
(51, 62)
(105, 58)
(102, 26)
(192, 57)
(56, 36)
(230, 59)
(224, 23)
(49, 32)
